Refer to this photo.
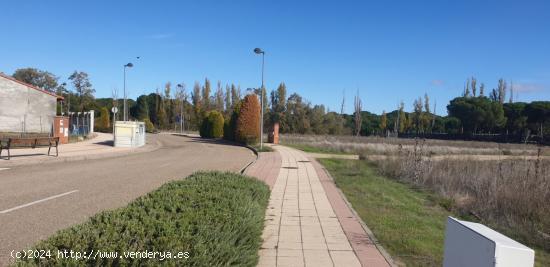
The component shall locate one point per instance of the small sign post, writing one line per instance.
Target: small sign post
(114, 110)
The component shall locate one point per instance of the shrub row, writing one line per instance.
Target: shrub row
(248, 122)
(212, 125)
(243, 126)
(216, 217)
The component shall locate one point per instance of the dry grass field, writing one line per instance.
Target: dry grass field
(391, 146)
(505, 186)
(511, 195)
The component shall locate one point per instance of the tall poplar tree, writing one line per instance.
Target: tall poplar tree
(206, 95)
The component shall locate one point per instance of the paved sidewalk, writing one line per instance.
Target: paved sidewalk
(99, 147)
(302, 228)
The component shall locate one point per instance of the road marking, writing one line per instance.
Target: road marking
(3, 169)
(164, 165)
(38, 201)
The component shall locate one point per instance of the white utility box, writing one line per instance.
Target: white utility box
(129, 134)
(473, 244)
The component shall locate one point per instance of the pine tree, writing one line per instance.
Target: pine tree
(482, 90)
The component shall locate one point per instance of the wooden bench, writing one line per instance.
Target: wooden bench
(34, 142)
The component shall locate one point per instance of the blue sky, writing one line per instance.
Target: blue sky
(388, 50)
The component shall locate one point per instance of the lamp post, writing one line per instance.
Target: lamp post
(62, 88)
(182, 123)
(129, 65)
(260, 51)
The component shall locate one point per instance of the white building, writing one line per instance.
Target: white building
(25, 108)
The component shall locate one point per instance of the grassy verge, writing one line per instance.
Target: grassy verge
(314, 149)
(409, 222)
(216, 217)
(263, 149)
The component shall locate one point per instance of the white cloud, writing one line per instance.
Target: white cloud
(437, 82)
(529, 87)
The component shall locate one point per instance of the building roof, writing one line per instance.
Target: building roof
(2, 75)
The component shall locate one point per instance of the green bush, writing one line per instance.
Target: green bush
(103, 122)
(248, 123)
(212, 125)
(215, 119)
(217, 217)
(149, 126)
(204, 128)
(230, 125)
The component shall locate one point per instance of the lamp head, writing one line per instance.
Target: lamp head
(129, 65)
(258, 51)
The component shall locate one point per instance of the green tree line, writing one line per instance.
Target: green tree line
(473, 112)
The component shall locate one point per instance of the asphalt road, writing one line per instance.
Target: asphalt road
(38, 200)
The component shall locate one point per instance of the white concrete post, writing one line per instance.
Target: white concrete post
(92, 121)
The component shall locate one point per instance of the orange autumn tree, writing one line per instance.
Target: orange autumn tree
(248, 123)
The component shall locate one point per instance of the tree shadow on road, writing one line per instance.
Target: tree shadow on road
(105, 143)
(214, 141)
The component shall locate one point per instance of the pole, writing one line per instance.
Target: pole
(262, 106)
(124, 111)
(114, 120)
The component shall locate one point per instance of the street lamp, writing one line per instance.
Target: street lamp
(129, 65)
(260, 51)
(180, 86)
(61, 89)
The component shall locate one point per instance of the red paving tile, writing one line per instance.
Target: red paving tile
(266, 167)
(364, 247)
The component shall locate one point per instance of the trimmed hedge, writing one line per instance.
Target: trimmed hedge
(248, 123)
(103, 122)
(217, 217)
(215, 119)
(212, 125)
(230, 125)
(203, 124)
(149, 126)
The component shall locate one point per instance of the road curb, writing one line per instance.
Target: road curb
(116, 154)
(243, 169)
(252, 162)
